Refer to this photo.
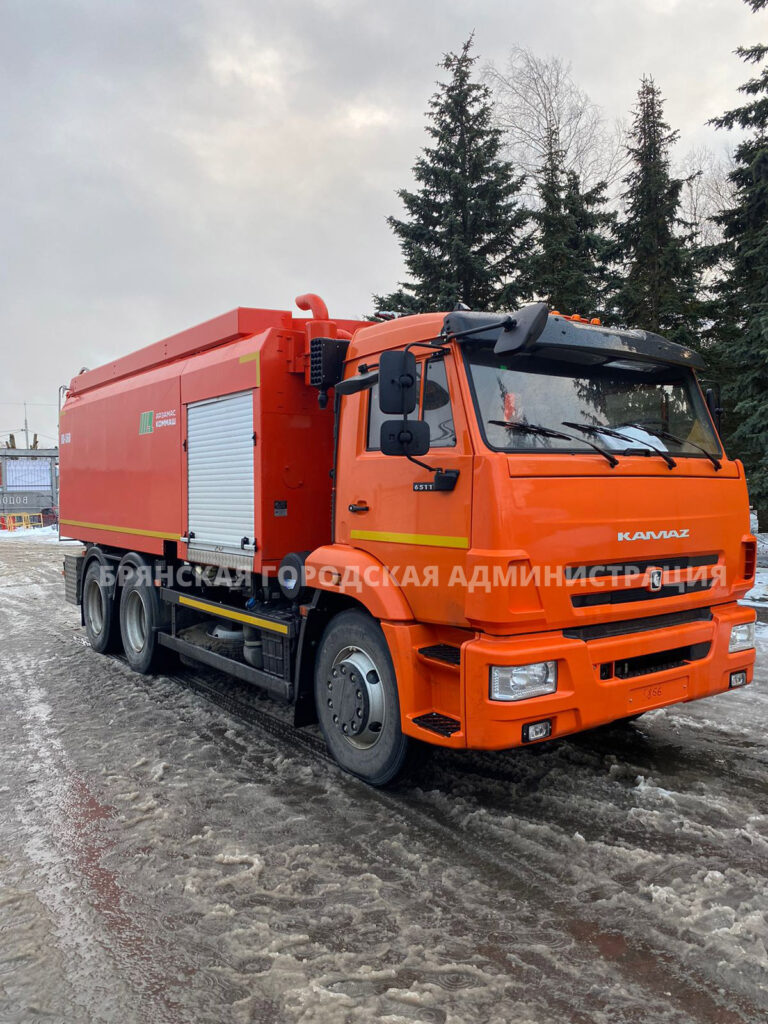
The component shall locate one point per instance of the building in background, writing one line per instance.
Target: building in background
(29, 482)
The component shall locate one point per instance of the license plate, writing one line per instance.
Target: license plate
(656, 695)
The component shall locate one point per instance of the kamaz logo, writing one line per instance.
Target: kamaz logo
(654, 534)
(655, 579)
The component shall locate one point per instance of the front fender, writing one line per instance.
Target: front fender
(344, 570)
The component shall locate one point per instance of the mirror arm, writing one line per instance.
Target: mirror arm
(418, 462)
(436, 344)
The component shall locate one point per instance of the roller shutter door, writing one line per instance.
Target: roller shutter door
(220, 474)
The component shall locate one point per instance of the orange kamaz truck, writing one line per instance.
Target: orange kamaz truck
(467, 529)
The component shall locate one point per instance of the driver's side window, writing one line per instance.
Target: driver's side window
(434, 407)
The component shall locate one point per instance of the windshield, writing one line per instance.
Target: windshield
(641, 400)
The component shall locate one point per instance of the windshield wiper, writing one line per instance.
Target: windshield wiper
(665, 435)
(534, 428)
(609, 432)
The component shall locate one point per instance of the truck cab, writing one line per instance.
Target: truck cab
(585, 565)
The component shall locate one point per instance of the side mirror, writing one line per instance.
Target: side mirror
(712, 396)
(398, 383)
(404, 437)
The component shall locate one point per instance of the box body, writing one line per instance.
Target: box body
(134, 476)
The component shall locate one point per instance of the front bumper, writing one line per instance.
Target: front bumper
(583, 699)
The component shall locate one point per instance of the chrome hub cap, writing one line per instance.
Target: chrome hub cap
(355, 697)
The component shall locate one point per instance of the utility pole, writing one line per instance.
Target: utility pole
(26, 428)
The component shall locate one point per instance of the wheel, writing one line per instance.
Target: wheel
(356, 699)
(99, 612)
(140, 617)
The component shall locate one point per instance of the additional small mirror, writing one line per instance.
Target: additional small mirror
(404, 437)
(435, 396)
(360, 382)
(524, 328)
(398, 383)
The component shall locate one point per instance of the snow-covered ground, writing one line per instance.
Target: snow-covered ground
(759, 593)
(163, 862)
(43, 534)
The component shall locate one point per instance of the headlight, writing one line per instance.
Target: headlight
(742, 637)
(518, 682)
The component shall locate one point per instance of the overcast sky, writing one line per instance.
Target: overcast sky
(166, 161)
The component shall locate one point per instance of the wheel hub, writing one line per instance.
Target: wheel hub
(355, 697)
(95, 606)
(135, 622)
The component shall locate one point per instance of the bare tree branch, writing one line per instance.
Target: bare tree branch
(707, 191)
(536, 100)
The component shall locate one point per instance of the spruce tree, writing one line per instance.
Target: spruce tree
(743, 325)
(661, 277)
(463, 234)
(569, 261)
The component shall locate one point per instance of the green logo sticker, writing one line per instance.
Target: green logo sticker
(146, 424)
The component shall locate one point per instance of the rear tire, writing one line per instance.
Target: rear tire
(357, 701)
(140, 618)
(99, 610)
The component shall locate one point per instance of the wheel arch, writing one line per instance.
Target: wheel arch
(323, 608)
(349, 572)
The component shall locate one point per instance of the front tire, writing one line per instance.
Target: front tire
(357, 701)
(140, 618)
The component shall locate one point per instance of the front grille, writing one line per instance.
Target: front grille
(595, 571)
(659, 661)
(645, 625)
(639, 594)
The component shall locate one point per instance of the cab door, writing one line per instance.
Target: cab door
(421, 536)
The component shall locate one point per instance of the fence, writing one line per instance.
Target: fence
(21, 521)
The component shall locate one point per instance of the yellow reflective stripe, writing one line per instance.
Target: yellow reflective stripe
(134, 531)
(253, 357)
(432, 540)
(225, 613)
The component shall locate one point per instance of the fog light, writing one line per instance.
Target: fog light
(537, 731)
(742, 637)
(518, 682)
(737, 679)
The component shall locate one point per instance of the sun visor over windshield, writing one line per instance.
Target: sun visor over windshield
(570, 336)
(532, 329)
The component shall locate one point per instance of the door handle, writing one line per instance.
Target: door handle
(359, 508)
